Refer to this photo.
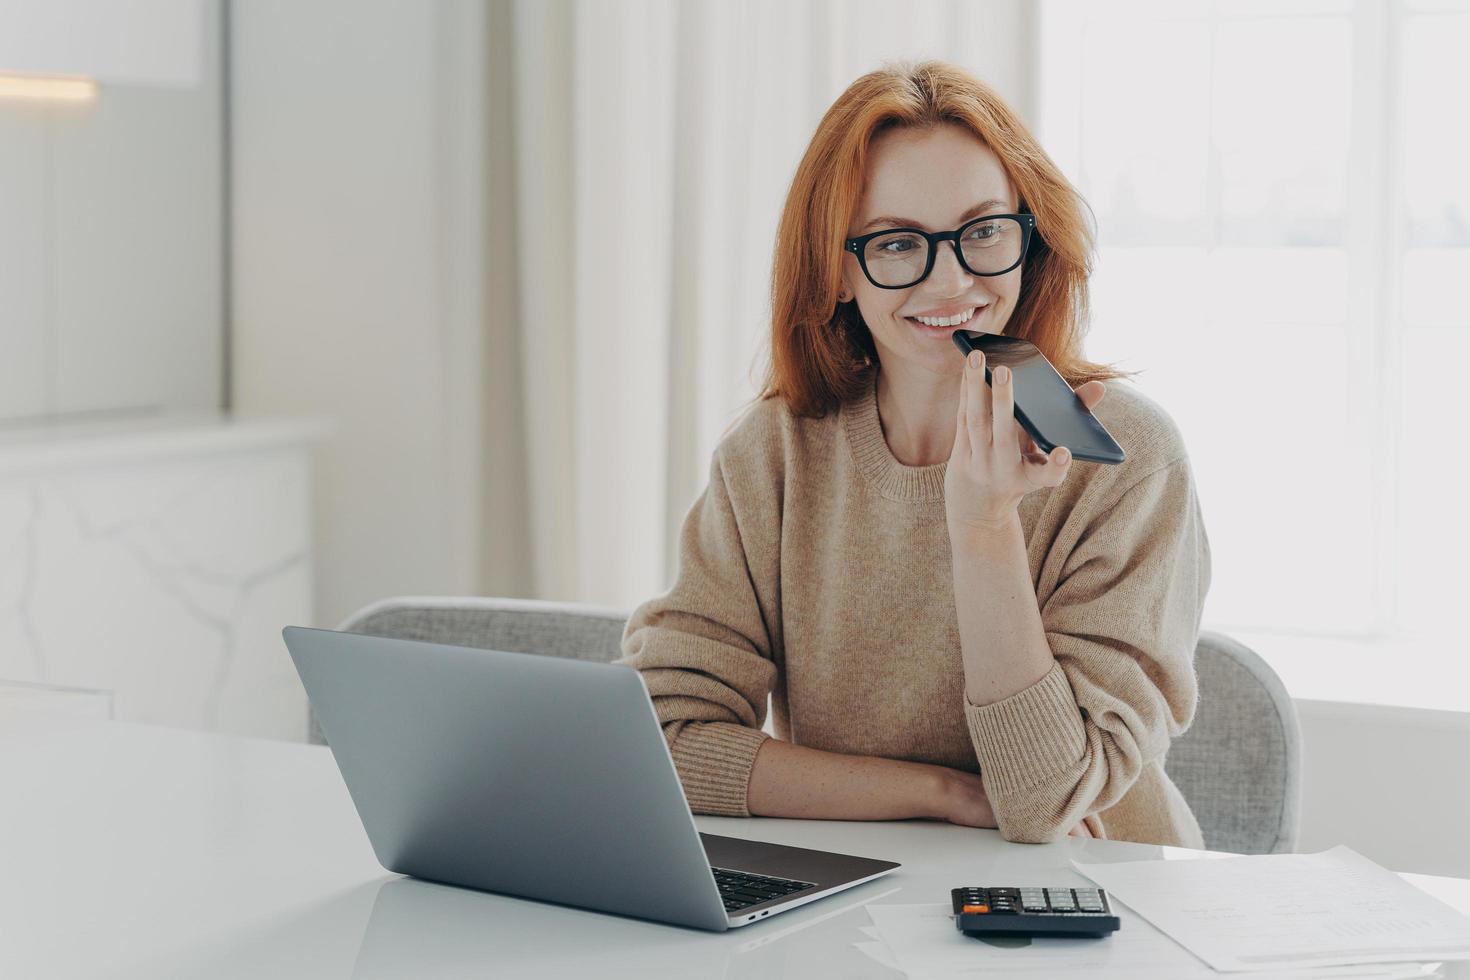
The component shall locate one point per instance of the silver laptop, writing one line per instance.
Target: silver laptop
(541, 777)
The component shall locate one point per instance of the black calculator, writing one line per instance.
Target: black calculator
(1060, 911)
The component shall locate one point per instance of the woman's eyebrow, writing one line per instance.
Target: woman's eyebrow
(911, 223)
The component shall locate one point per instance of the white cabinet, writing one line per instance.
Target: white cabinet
(157, 560)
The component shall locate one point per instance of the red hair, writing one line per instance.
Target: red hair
(820, 348)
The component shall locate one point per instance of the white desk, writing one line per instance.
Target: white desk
(138, 851)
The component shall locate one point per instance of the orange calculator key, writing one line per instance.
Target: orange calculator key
(975, 909)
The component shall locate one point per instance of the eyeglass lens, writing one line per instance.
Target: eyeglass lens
(989, 246)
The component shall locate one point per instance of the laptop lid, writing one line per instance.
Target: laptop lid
(530, 775)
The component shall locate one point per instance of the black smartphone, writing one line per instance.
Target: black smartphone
(1046, 406)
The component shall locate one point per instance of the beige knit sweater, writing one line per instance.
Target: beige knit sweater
(815, 569)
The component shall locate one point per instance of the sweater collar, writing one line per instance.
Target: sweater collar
(864, 433)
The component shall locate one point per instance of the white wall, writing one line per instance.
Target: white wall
(148, 42)
(110, 213)
(1392, 783)
(358, 181)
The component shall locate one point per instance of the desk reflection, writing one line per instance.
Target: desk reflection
(422, 929)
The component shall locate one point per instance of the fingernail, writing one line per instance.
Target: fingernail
(1002, 374)
(1063, 455)
(974, 358)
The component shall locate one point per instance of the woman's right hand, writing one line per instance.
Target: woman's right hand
(966, 804)
(963, 800)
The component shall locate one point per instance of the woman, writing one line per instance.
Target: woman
(949, 624)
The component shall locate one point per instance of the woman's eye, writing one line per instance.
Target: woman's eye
(897, 246)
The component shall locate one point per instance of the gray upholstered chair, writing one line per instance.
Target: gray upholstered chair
(1238, 766)
(559, 629)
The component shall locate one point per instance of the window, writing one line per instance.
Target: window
(1282, 192)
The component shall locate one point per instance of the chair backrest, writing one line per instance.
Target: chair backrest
(559, 629)
(1238, 766)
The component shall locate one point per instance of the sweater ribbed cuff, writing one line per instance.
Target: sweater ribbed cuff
(1024, 739)
(714, 760)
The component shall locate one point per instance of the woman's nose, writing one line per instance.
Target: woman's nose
(947, 273)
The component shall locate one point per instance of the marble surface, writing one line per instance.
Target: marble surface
(156, 559)
(134, 851)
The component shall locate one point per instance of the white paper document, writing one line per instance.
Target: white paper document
(922, 941)
(1281, 911)
(879, 953)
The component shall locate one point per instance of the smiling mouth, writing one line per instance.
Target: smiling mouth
(974, 314)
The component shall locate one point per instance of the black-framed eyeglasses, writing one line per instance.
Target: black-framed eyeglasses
(897, 258)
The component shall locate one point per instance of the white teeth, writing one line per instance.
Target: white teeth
(950, 321)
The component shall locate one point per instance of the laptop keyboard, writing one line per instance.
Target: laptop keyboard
(741, 890)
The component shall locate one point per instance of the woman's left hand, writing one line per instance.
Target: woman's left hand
(994, 462)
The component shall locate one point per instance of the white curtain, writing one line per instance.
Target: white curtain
(653, 143)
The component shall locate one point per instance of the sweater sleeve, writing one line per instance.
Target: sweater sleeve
(1122, 623)
(705, 651)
